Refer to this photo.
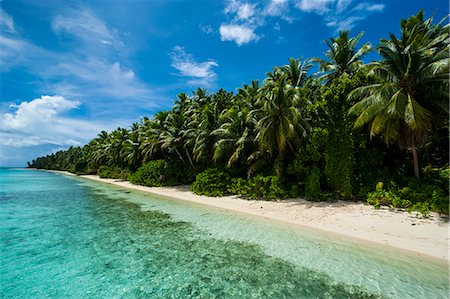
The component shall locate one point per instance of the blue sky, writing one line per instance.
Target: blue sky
(69, 69)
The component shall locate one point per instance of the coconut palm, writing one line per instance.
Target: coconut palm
(297, 71)
(281, 125)
(172, 137)
(343, 55)
(414, 85)
(133, 153)
(235, 136)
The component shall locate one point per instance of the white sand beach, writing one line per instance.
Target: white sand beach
(427, 237)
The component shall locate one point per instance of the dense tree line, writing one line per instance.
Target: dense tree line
(335, 134)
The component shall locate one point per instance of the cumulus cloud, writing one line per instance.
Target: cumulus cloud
(340, 14)
(200, 73)
(42, 121)
(245, 19)
(240, 34)
(243, 11)
(277, 8)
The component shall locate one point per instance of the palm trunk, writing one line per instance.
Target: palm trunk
(416, 161)
(181, 158)
(189, 157)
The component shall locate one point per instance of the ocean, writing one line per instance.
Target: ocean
(68, 237)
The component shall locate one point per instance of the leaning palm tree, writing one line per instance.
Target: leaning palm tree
(343, 56)
(414, 85)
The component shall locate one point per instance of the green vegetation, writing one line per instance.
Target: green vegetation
(159, 173)
(113, 172)
(259, 187)
(211, 182)
(334, 135)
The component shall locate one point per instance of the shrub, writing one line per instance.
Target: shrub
(312, 188)
(423, 208)
(381, 197)
(159, 173)
(211, 182)
(113, 172)
(259, 187)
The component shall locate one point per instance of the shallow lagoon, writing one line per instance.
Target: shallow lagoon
(69, 237)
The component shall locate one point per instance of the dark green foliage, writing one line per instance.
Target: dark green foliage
(422, 196)
(309, 156)
(211, 182)
(80, 167)
(298, 127)
(259, 187)
(312, 188)
(340, 145)
(159, 173)
(340, 161)
(113, 172)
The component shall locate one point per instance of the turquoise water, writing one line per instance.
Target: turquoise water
(66, 237)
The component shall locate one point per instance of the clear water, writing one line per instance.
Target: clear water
(66, 237)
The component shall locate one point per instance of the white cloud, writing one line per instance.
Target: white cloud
(277, 8)
(85, 26)
(340, 14)
(93, 71)
(15, 51)
(243, 11)
(6, 22)
(246, 11)
(370, 7)
(108, 79)
(244, 19)
(240, 34)
(317, 6)
(39, 110)
(200, 73)
(345, 24)
(42, 121)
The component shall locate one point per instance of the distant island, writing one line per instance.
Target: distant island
(377, 132)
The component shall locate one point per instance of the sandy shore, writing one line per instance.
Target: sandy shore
(426, 237)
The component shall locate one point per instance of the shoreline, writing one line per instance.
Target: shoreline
(425, 237)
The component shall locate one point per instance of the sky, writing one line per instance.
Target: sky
(69, 69)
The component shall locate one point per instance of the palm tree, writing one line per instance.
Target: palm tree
(343, 56)
(133, 153)
(117, 145)
(414, 85)
(297, 71)
(172, 137)
(98, 154)
(281, 125)
(235, 135)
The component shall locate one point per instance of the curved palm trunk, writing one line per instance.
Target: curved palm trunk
(416, 161)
